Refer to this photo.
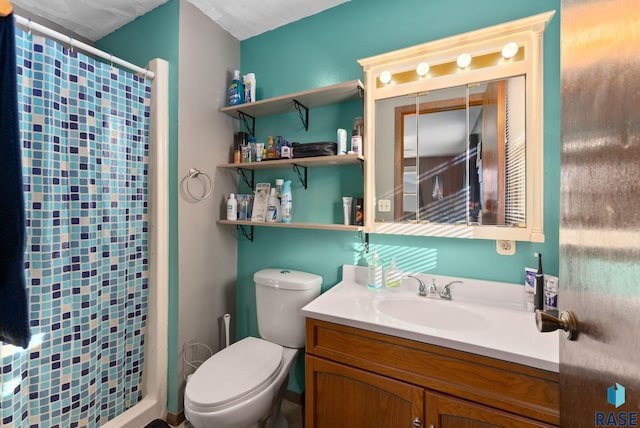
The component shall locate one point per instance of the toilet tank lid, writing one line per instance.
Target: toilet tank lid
(287, 279)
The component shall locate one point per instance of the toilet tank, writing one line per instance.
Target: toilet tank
(280, 296)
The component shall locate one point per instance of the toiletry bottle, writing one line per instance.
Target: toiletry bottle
(539, 296)
(375, 271)
(279, 184)
(232, 207)
(249, 87)
(393, 276)
(356, 136)
(273, 207)
(529, 289)
(271, 149)
(551, 294)
(236, 90)
(287, 202)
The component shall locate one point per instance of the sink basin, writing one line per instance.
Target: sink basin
(436, 314)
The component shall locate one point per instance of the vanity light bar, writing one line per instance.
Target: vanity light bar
(475, 63)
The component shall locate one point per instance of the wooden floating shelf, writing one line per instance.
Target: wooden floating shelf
(319, 226)
(316, 161)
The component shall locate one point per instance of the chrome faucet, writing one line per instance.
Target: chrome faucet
(422, 288)
(431, 292)
(445, 294)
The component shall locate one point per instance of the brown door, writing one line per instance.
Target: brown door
(600, 212)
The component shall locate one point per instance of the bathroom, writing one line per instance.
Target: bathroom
(305, 54)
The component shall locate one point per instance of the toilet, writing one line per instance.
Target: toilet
(242, 386)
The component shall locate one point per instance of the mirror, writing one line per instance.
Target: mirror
(453, 135)
(456, 155)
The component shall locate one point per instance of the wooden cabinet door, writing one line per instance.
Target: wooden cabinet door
(448, 412)
(341, 396)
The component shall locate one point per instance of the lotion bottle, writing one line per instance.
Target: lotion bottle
(232, 207)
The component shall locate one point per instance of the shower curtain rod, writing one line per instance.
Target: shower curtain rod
(80, 45)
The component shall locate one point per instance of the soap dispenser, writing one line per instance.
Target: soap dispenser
(393, 276)
(375, 271)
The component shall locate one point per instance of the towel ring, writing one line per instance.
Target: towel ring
(207, 184)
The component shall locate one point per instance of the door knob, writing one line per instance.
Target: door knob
(566, 322)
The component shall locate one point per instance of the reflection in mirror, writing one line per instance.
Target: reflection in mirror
(454, 156)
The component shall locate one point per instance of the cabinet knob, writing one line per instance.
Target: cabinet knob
(566, 322)
(417, 423)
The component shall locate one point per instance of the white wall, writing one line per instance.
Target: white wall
(207, 251)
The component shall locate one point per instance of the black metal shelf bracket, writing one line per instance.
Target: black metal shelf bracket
(249, 235)
(362, 165)
(242, 172)
(303, 179)
(361, 92)
(305, 118)
(244, 117)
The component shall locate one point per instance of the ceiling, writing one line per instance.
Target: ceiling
(93, 19)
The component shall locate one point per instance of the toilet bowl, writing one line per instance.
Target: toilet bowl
(242, 386)
(236, 388)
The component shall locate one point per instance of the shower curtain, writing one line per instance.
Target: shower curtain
(84, 128)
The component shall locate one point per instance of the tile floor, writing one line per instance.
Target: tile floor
(291, 411)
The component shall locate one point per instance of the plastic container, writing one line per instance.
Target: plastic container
(249, 87)
(375, 272)
(286, 202)
(356, 135)
(279, 184)
(393, 276)
(273, 207)
(550, 293)
(236, 90)
(232, 207)
(529, 288)
(341, 137)
(259, 151)
(271, 149)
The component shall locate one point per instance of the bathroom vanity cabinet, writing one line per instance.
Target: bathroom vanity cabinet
(301, 102)
(358, 378)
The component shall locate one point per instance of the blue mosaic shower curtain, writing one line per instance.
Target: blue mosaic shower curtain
(84, 126)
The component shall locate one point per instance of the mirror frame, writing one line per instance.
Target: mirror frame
(486, 43)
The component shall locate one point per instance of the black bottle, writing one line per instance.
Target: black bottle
(539, 296)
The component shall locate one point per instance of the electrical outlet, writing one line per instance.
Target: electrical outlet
(384, 205)
(506, 247)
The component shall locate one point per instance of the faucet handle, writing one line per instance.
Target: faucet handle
(446, 290)
(422, 289)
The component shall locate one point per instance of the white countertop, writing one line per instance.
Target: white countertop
(509, 334)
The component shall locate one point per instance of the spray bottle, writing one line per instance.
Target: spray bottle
(286, 202)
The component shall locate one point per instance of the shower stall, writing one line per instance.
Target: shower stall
(95, 171)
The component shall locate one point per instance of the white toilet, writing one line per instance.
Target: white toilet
(242, 386)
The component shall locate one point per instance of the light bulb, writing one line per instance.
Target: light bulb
(464, 60)
(385, 77)
(422, 69)
(510, 50)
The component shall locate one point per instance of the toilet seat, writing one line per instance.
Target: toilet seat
(234, 374)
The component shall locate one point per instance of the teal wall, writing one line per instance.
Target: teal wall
(155, 35)
(323, 50)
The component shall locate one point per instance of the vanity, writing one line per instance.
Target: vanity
(391, 358)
